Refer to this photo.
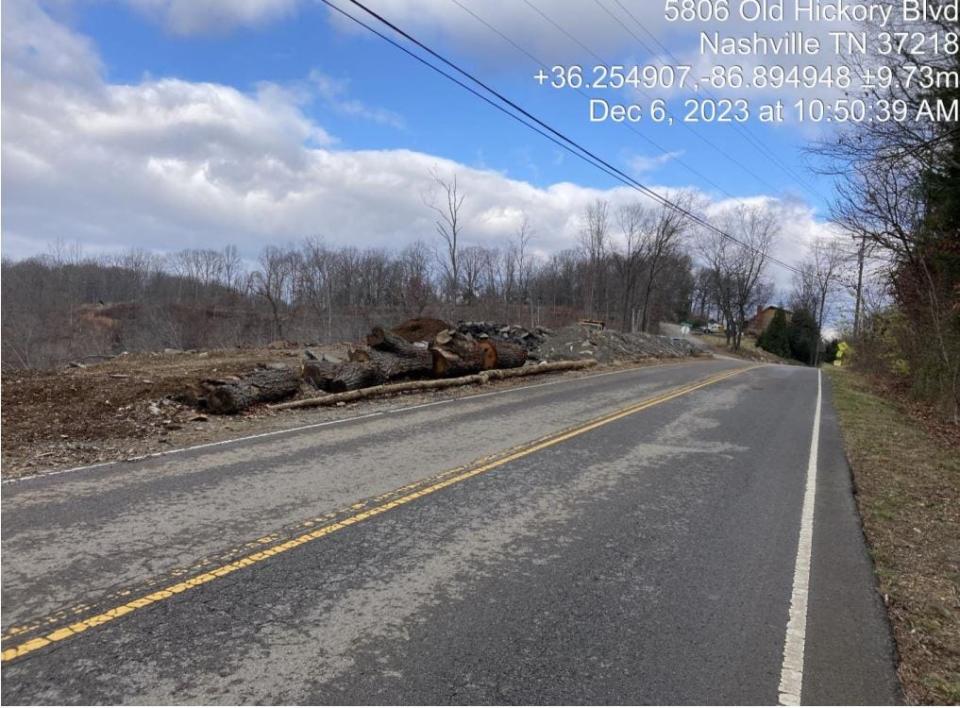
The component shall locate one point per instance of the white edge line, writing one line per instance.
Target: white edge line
(791, 673)
(313, 426)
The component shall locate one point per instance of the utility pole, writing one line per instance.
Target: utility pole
(859, 304)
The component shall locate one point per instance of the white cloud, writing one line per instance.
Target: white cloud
(167, 164)
(189, 17)
(645, 164)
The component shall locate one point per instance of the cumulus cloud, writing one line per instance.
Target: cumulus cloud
(166, 164)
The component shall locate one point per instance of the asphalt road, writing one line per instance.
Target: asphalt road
(552, 544)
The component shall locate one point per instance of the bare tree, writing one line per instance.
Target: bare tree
(737, 266)
(448, 207)
(818, 281)
(273, 282)
(665, 226)
(594, 242)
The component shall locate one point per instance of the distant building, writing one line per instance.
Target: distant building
(763, 318)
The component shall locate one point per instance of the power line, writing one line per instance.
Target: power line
(568, 144)
(686, 125)
(742, 129)
(540, 62)
(473, 91)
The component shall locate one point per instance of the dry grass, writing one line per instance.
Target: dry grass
(908, 491)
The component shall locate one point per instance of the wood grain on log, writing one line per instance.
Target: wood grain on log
(508, 354)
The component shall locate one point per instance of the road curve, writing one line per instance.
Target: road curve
(555, 544)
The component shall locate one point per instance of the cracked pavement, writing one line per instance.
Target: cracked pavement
(649, 560)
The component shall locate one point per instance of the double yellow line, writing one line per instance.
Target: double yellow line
(457, 476)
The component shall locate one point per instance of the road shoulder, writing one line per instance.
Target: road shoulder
(907, 486)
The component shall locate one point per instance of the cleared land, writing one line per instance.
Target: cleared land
(907, 476)
(135, 404)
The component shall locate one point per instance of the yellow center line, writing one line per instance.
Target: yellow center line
(75, 628)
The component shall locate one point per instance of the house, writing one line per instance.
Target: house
(763, 318)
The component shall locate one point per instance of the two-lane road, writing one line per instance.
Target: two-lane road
(630, 537)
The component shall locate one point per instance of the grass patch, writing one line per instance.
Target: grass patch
(908, 492)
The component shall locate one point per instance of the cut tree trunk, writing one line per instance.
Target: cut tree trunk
(447, 363)
(509, 355)
(419, 365)
(481, 378)
(319, 374)
(384, 341)
(352, 375)
(456, 354)
(489, 354)
(260, 386)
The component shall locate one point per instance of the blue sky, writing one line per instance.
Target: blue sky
(196, 123)
(439, 117)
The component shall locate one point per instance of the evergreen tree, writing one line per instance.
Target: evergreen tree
(803, 337)
(775, 338)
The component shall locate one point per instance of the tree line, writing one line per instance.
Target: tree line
(899, 199)
(633, 267)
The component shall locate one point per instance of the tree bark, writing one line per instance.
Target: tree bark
(384, 341)
(456, 354)
(319, 374)
(509, 355)
(447, 363)
(352, 375)
(260, 386)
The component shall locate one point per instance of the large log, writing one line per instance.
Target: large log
(384, 341)
(418, 362)
(489, 354)
(456, 354)
(448, 363)
(320, 374)
(481, 378)
(352, 375)
(260, 386)
(508, 354)
(418, 365)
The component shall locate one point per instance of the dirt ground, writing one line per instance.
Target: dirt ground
(114, 409)
(126, 408)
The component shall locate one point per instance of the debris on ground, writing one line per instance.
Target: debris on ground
(607, 346)
(139, 403)
(528, 338)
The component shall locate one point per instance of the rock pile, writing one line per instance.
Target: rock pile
(531, 339)
(578, 342)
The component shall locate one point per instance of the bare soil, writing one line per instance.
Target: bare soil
(126, 408)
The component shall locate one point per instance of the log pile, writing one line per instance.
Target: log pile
(458, 354)
(386, 358)
(434, 384)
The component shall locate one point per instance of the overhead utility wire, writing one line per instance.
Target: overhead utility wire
(755, 141)
(476, 93)
(539, 62)
(576, 149)
(686, 125)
